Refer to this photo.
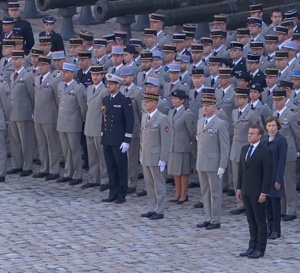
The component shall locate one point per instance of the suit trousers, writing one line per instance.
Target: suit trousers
(3, 154)
(47, 139)
(117, 170)
(273, 211)
(256, 218)
(235, 174)
(70, 143)
(156, 189)
(97, 166)
(289, 202)
(211, 191)
(20, 134)
(133, 159)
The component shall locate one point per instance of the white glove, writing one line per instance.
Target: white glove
(161, 165)
(220, 172)
(124, 146)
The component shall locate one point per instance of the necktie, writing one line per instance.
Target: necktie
(223, 94)
(174, 112)
(66, 86)
(195, 94)
(278, 115)
(269, 92)
(74, 61)
(203, 60)
(33, 70)
(144, 76)
(148, 117)
(279, 74)
(172, 86)
(126, 90)
(269, 58)
(205, 122)
(249, 153)
(94, 90)
(212, 82)
(98, 62)
(194, 66)
(15, 76)
(240, 113)
(215, 53)
(295, 95)
(5, 62)
(180, 78)
(113, 70)
(41, 80)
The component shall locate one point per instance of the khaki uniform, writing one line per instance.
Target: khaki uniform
(7, 69)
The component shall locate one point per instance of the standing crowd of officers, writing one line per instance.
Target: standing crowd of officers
(174, 104)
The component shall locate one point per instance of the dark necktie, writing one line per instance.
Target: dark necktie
(148, 117)
(269, 92)
(269, 58)
(252, 107)
(223, 94)
(279, 74)
(174, 112)
(144, 76)
(172, 86)
(212, 82)
(215, 53)
(195, 94)
(194, 66)
(74, 61)
(94, 90)
(16, 76)
(5, 62)
(41, 80)
(278, 115)
(33, 70)
(249, 153)
(240, 113)
(126, 90)
(295, 95)
(180, 78)
(113, 70)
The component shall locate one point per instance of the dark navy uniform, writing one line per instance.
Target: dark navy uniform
(84, 78)
(260, 78)
(240, 66)
(56, 40)
(23, 28)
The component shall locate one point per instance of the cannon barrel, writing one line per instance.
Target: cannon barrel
(205, 13)
(44, 5)
(105, 10)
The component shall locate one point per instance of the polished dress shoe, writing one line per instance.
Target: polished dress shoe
(89, 185)
(289, 218)
(51, 176)
(255, 254)
(198, 205)
(25, 173)
(156, 216)
(39, 175)
(131, 190)
(231, 192)
(169, 180)
(180, 202)
(74, 182)
(212, 226)
(141, 193)
(63, 179)
(140, 176)
(237, 211)
(103, 187)
(14, 171)
(120, 200)
(2, 179)
(247, 252)
(203, 225)
(108, 200)
(147, 214)
(193, 185)
(274, 235)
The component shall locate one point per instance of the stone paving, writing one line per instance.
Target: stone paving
(49, 227)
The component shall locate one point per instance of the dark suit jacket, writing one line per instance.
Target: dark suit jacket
(278, 146)
(259, 78)
(240, 66)
(85, 79)
(56, 41)
(255, 176)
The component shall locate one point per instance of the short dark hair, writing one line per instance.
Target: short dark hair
(270, 119)
(277, 10)
(259, 128)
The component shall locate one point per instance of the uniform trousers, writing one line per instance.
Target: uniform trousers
(3, 154)
(211, 191)
(289, 202)
(156, 188)
(273, 210)
(70, 143)
(194, 177)
(133, 159)
(84, 145)
(21, 135)
(298, 172)
(35, 148)
(48, 147)
(235, 174)
(97, 166)
(117, 170)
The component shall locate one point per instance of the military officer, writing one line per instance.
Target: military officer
(219, 48)
(271, 47)
(243, 79)
(75, 47)
(58, 58)
(256, 11)
(6, 65)
(117, 128)
(7, 26)
(281, 33)
(45, 119)
(100, 56)
(214, 64)
(236, 54)
(137, 44)
(71, 113)
(196, 53)
(117, 60)
(169, 55)
(243, 36)
(253, 68)
(155, 145)
(34, 60)
(212, 159)
(264, 62)
(189, 30)
(157, 23)
(157, 65)
(281, 59)
(220, 22)
(128, 59)
(87, 40)
(271, 80)
(179, 42)
(295, 96)
(255, 27)
(21, 123)
(185, 77)
(120, 38)
(111, 41)
(150, 39)
(92, 130)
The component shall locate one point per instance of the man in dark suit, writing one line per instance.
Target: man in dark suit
(255, 177)
(117, 128)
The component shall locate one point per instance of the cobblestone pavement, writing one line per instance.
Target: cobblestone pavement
(49, 227)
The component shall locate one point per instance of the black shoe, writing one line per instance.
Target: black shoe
(120, 200)
(36, 161)
(104, 187)
(231, 192)
(63, 179)
(198, 205)
(108, 200)
(74, 182)
(169, 180)
(141, 193)
(274, 235)
(179, 202)
(156, 216)
(40, 175)
(193, 185)
(14, 171)
(89, 185)
(247, 252)
(203, 225)
(237, 211)
(131, 190)
(148, 214)
(212, 226)
(289, 218)
(51, 176)
(140, 176)
(255, 254)
(25, 173)
(2, 179)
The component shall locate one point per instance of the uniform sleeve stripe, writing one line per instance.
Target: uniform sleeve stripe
(128, 135)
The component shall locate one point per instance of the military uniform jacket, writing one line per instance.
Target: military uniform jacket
(239, 67)
(136, 95)
(22, 95)
(260, 78)
(285, 75)
(265, 63)
(72, 107)
(290, 129)
(263, 110)
(155, 139)
(56, 40)
(141, 78)
(246, 50)
(84, 78)
(93, 121)
(105, 61)
(182, 131)
(168, 90)
(7, 69)
(23, 28)
(117, 72)
(57, 74)
(266, 98)
(33, 70)
(241, 126)
(117, 120)
(207, 82)
(5, 104)
(163, 38)
(186, 80)
(202, 65)
(220, 113)
(163, 106)
(294, 102)
(195, 103)
(162, 73)
(46, 100)
(222, 52)
(212, 145)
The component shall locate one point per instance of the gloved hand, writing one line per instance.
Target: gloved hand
(220, 172)
(124, 146)
(161, 165)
